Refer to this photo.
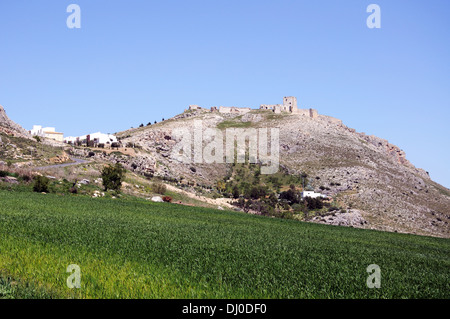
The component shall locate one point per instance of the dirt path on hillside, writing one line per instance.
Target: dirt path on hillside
(223, 202)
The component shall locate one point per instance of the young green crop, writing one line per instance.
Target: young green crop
(138, 249)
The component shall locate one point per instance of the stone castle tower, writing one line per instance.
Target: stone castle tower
(290, 104)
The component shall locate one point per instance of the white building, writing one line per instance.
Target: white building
(312, 194)
(37, 130)
(48, 132)
(98, 138)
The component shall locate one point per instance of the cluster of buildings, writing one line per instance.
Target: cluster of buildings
(289, 105)
(50, 132)
(96, 138)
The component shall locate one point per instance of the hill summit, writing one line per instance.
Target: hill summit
(368, 176)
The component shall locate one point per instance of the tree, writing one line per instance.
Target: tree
(142, 125)
(272, 200)
(220, 185)
(235, 192)
(292, 196)
(112, 176)
(304, 178)
(257, 175)
(41, 184)
(314, 203)
(257, 192)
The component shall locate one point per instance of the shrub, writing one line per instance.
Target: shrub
(314, 203)
(101, 145)
(235, 192)
(159, 188)
(112, 176)
(298, 208)
(285, 215)
(293, 197)
(26, 177)
(41, 184)
(257, 192)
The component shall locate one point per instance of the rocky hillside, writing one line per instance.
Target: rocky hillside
(366, 174)
(9, 127)
(20, 148)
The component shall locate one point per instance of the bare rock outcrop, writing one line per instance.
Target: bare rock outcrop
(11, 128)
(351, 218)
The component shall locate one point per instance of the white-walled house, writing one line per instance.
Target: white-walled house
(37, 130)
(312, 194)
(48, 132)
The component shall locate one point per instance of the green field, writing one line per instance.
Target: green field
(130, 248)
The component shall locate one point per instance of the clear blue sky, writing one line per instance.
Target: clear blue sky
(138, 61)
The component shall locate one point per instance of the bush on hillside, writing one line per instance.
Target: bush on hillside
(41, 184)
(159, 188)
(112, 176)
(314, 203)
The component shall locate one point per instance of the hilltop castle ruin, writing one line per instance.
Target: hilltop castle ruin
(289, 105)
